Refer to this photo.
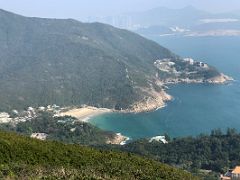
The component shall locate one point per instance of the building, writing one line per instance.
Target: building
(40, 136)
(4, 118)
(232, 174)
(159, 139)
(236, 173)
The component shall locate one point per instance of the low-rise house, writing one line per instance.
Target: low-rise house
(159, 139)
(236, 173)
(232, 174)
(5, 117)
(41, 108)
(189, 60)
(40, 136)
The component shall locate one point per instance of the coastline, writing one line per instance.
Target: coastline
(157, 100)
(85, 113)
(153, 100)
(221, 79)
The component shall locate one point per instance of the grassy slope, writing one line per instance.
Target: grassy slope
(22, 157)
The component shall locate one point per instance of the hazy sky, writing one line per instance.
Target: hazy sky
(81, 9)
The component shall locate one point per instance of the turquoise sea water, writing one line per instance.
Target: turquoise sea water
(196, 108)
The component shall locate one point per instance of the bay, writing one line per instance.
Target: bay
(196, 108)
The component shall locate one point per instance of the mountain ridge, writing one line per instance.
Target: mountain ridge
(186, 21)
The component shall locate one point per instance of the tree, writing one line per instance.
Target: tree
(231, 132)
(216, 132)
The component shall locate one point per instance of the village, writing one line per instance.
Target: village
(15, 116)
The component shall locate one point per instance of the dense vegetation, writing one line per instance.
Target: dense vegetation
(65, 129)
(22, 157)
(217, 152)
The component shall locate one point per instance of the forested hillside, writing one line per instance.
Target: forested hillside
(217, 152)
(66, 62)
(65, 129)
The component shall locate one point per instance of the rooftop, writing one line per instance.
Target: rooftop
(236, 170)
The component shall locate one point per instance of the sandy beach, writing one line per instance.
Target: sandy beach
(84, 113)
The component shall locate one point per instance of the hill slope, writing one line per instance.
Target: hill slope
(66, 62)
(218, 151)
(22, 157)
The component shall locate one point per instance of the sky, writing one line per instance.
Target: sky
(82, 9)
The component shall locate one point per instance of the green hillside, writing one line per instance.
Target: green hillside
(47, 61)
(22, 158)
(66, 62)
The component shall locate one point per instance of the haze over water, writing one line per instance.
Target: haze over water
(197, 108)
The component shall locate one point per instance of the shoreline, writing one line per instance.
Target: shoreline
(221, 79)
(155, 101)
(151, 102)
(84, 114)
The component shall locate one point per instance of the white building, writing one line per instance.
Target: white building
(5, 117)
(190, 60)
(40, 136)
(159, 139)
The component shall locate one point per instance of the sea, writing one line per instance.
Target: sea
(196, 108)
